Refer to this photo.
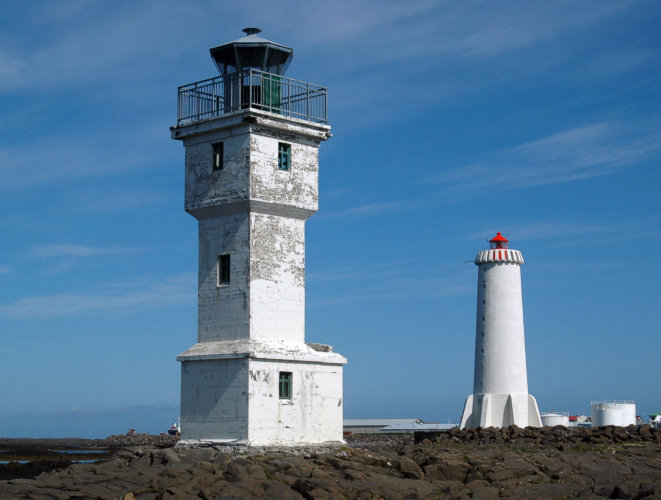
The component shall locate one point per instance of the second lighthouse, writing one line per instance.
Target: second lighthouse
(500, 389)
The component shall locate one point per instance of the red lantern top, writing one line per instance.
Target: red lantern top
(499, 241)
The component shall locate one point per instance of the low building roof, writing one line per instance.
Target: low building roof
(419, 427)
(379, 422)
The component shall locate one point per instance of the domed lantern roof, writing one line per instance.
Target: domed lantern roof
(499, 241)
(251, 52)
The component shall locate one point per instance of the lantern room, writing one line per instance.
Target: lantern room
(499, 241)
(251, 52)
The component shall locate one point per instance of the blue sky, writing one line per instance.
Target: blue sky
(451, 121)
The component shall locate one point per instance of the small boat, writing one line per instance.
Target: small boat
(175, 429)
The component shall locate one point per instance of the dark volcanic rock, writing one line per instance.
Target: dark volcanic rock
(477, 463)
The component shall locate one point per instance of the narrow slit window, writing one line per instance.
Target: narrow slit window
(284, 156)
(217, 158)
(284, 385)
(223, 270)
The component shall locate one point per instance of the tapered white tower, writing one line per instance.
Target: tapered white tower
(252, 138)
(500, 389)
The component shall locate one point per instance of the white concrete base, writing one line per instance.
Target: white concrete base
(500, 410)
(230, 394)
(243, 448)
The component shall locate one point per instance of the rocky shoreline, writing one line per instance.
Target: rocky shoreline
(558, 462)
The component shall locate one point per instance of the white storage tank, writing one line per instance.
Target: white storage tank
(553, 418)
(606, 414)
(628, 413)
(619, 413)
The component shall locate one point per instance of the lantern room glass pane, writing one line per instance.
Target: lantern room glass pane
(251, 57)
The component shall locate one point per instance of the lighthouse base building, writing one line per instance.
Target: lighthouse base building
(261, 394)
(500, 389)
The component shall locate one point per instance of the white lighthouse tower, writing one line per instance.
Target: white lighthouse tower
(500, 389)
(252, 138)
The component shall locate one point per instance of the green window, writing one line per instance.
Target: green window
(285, 385)
(217, 158)
(284, 156)
(271, 86)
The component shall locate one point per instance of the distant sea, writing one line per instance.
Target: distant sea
(91, 424)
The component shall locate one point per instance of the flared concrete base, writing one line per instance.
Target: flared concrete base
(500, 410)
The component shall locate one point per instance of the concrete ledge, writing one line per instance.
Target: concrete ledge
(252, 116)
(211, 208)
(247, 448)
(264, 350)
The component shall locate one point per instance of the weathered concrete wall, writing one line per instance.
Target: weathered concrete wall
(314, 414)
(230, 392)
(250, 168)
(207, 191)
(224, 311)
(296, 187)
(277, 278)
(214, 400)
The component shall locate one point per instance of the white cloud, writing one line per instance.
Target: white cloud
(570, 155)
(383, 32)
(114, 299)
(83, 154)
(135, 41)
(400, 287)
(4, 270)
(371, 209)
(387, 280)
(10, 69)
(560, 232)
(109, 200)
(68, 250)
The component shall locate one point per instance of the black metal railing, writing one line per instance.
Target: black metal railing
(251, 89)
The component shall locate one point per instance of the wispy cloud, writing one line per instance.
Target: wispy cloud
(116, 299)
(561, 232)
(4, 270)
(370, 209)
(376, 32)
(578, 153)
(104, 199)
(68, 250)
(402, 287)
(335, 193)
(419, 29)
(57, 158)
(374, 209)
(614, 63)
(391, 46)
(78, 52)
(397, 278)
(549, 230)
